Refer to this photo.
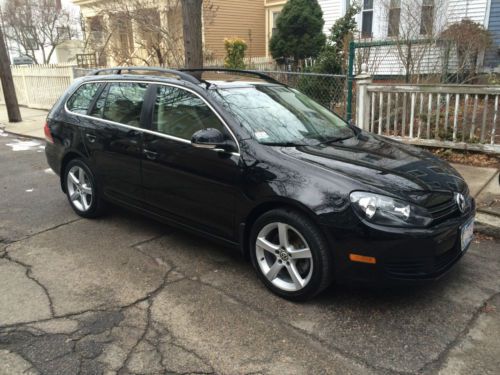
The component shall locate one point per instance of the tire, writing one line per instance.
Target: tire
(289, 248)
(82, 189)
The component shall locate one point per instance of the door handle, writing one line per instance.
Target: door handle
(90, 137)
(151, 155)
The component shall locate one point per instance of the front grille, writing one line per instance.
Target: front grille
(444, 211)
(420, 268)
(448, 209)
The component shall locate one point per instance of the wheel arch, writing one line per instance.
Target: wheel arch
(266, 206)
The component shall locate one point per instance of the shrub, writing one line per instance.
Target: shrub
(235, 53)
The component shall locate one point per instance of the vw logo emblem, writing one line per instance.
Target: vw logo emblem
(460, 199)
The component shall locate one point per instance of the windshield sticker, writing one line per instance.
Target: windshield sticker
(261, 135)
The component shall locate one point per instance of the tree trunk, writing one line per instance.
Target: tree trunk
(9, 91)
(193, 46)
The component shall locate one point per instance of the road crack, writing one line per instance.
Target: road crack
(29, 275)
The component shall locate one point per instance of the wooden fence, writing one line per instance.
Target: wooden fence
(456, 116)
(39, 86)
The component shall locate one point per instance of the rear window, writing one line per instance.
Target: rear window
(81, 100)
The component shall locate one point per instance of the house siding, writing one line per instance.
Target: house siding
(386, 61)
(492, 58)
(474, 10)
(332, 11)
(236, 18)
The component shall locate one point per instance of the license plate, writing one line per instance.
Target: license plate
(467, 234)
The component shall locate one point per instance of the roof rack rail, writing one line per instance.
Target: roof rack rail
(120, 69)
(263, 76)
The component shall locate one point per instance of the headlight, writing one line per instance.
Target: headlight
(384, 210)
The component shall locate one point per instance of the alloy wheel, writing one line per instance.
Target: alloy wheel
(284, 257)
(80, 189)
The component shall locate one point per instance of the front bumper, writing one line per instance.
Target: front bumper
(402, 255)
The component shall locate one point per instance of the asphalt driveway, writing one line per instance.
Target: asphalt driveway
(124, 294)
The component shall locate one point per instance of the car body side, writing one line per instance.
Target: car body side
(271, 177)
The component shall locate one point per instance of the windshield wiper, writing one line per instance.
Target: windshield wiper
(335, 139)
(283, 144)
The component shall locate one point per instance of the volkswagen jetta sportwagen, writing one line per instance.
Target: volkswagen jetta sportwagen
(262, 167)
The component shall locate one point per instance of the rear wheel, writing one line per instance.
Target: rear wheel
(290, 255)
(81, 189)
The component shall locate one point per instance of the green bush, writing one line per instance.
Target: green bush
(235, 53)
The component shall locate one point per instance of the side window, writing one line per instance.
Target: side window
(180, 113)
(82, 98)
(122, 104)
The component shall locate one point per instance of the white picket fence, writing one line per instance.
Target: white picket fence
(39, 86)
(253, 63)
(455, 116)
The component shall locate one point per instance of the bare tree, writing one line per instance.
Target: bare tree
(468, 40)
(414, 26)
(140, 32)
(38, 25)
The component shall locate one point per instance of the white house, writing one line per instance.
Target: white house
(387, 20)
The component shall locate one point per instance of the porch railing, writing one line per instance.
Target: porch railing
(457, 116)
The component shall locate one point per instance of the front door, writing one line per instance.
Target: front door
(195, 186)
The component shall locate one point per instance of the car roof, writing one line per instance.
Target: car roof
(236, 78)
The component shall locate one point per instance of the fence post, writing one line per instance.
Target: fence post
(350, 79)
(363, 99)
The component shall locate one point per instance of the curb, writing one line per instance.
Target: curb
(21, 135)
(487, 224)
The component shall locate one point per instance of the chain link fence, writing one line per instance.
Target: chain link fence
(327, 89)
(416, 61)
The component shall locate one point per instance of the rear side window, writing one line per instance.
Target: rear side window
(122, 104)
(81, 100)
(180, 113)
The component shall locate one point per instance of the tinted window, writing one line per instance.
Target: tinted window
(123, 103)
(180, 113)
(82, 98)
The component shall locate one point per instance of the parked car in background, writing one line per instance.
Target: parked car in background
(259, 166)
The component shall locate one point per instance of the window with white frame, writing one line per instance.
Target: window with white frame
(367, 19)
(394, 18)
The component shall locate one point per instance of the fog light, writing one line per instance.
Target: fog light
(362, 259)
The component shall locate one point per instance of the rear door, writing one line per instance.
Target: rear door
(196, 186)
(113, 138)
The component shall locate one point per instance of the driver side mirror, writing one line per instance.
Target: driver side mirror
(212, 139)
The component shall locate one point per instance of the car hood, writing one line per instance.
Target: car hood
(386, 165)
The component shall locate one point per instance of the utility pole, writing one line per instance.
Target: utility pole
(193, 44)
(9, 91)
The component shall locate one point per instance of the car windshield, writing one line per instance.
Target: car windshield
(277, 115)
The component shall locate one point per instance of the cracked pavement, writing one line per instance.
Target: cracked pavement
(127, 295)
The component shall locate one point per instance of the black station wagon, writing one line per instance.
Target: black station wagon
(248, 161)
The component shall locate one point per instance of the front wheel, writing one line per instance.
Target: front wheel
(290, 255)
(81, 189)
